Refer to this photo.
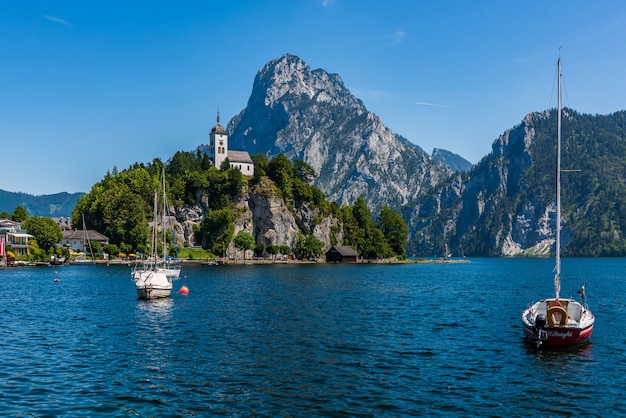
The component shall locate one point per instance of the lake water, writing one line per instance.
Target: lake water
(307, 340)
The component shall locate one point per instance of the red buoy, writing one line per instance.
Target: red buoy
(184, 291)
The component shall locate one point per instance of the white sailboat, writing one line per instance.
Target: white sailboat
(168, 265)
(151, 283)
(558, 322)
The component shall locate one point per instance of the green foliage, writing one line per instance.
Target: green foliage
(304, 171)
(44, 230)
(394, 229)
(53, 205)
(243, 241)
(261, 166)
(387, 239)
(272, 250)
(120, 206)
(308, 247)
(282, 172)
(518, 179)
(194, 254)
(111, 249)
(294, 180)
(19, 214)
(218, 229)
(36, 253)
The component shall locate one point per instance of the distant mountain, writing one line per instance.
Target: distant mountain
(310, 115)
(506, 204)
(452, 160)
(53, 205)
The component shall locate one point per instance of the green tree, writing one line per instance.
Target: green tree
(282, 172)
(243, 241)
(111, 249)
(225, 164)
(258, 250)
(305, 172)
(308, 247)
(218, 229)
(44, 230)
(273, 250)
(261, 166)
(394, 229)
(19, 214)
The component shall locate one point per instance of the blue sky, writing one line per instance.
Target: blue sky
(86, 86)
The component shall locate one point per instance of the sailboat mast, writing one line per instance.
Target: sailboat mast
(557, 271)
(86, 237)
(154, 230)
(164, 214)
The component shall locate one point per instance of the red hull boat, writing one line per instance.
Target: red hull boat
(557, 322)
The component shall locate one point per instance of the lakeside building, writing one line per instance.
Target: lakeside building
(341, 254)
(77, 239)
(218, 151)
(15, 237)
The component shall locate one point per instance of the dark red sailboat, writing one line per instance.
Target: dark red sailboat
(558, 322)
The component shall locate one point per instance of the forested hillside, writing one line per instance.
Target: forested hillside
(120, 206)
(53, 205)
(506, 204)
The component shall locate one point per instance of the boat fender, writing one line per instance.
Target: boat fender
(553, 311)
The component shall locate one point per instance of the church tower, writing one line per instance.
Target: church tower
(218, 144)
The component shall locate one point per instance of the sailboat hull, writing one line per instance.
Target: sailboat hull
(151, 292)
(152, 285)
(543, 325)
(559, 336)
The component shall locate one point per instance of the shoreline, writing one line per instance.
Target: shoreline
(264, 262)
(220, 262)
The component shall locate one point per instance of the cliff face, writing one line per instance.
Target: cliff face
(491, 210)
(310, 115)
(262, 213)
(506, 205)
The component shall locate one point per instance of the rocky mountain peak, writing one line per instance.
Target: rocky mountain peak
(310, 115)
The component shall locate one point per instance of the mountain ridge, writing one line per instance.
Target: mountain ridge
(57, 205)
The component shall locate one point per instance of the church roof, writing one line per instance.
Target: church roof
(239, 157)
(218, 129)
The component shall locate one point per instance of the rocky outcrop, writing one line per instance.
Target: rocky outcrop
(264, 214)
(310, 115)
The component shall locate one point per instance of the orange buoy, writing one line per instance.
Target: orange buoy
(184, 291)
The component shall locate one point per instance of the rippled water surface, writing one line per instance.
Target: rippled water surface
(307, 340)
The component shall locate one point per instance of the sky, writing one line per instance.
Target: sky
(88, 86)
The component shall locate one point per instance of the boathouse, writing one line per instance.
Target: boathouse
(341, 254)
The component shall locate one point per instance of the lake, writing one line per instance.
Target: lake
(307, 340)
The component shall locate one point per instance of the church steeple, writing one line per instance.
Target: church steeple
(218, 151)
(218, 143)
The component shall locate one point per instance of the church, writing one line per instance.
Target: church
(218, 151)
